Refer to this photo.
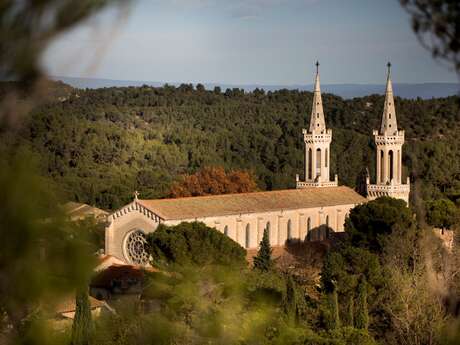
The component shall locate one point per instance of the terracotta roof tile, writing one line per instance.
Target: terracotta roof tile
(231, 204)
(68, 304)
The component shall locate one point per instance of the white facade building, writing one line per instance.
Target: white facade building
(288, 214)
(302, 213)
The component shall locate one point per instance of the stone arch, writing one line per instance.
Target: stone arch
(391, 160)
(325, 158)
(247, 238)
(289, 230)
(382, 167)
(318, 162)
(267, 227)
(226, 230)
(307, 235)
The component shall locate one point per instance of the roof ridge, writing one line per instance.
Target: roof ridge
(246, 193)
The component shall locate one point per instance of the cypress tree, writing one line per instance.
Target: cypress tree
(335, 309)
(362, 316)
(351, 311)
(290, 300)
(82, 325)
(263, 261)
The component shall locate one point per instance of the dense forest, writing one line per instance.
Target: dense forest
(100, 145)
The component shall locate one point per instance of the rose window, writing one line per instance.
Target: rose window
(135, 248)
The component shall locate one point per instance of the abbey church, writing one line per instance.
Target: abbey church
(317, 202)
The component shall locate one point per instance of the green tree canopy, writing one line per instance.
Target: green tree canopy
(367, 223)
(442, 213)
(194, 243)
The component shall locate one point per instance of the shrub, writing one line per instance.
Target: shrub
(194, 243)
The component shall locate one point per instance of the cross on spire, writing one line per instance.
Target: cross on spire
(136, 195)
(317, 67)
(389, 67)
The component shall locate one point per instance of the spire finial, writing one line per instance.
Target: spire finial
(317, 67)
(136, 195)
(389, 67)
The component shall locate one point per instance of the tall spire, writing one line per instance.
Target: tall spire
(389, 125)
(317, 123)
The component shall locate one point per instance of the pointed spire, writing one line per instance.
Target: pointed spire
(389, 125)
(317, 122)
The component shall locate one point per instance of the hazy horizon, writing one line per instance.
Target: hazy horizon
(266, 42)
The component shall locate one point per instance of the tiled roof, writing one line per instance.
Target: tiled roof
(116, 272)
(243, 203)
(77, 210)
(68, 304)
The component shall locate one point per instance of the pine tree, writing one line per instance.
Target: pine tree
(263, 261)
(82, 323)
(362, 316)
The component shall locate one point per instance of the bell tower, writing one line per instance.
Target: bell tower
(389, 141)
(317, 140)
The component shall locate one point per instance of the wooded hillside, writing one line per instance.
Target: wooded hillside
(101, 145)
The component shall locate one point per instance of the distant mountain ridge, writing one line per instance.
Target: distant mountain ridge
(347, 91)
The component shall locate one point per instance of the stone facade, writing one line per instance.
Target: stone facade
(244, 225)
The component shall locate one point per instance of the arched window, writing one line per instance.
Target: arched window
(318, 162)
(327, 221)
(268, 230)
(226, 230)
(325, 158)
(391, 159)
(289, 229)
(310, 163)
(135, 248)
(247, 236)
(382, 168)
(308, 234)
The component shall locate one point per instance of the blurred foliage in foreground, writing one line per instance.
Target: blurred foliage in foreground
(389, 282)
(43, 256)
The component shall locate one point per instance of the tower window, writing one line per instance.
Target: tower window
(317, 103)
(317, 125)
(389, 125)
(317, 115)
(389, 116)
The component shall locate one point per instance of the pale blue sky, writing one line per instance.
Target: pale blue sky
(247, 42)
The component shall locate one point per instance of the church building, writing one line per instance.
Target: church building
(302, 213)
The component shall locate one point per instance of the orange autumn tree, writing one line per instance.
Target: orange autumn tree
(213, 181)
